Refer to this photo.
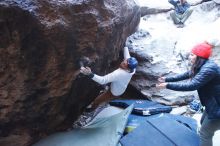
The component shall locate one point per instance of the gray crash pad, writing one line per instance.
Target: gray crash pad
(101, 132)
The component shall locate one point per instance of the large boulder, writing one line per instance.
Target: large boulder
(41, 43)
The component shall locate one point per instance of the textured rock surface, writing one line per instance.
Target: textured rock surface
(41, 43)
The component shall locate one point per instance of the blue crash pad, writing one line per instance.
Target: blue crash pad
(142, 107)
(161, 131)
(136, 120)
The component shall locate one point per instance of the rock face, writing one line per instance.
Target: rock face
(41, 43)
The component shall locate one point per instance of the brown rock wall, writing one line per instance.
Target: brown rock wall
(41, 42)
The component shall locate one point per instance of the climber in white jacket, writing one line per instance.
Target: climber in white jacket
(119, 79)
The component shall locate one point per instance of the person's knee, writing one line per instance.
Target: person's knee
(205, 138)
(206, 133)
(173, 15)
(190, 11)
(170, 1)
(174, 3)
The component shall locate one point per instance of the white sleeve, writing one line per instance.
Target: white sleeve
(111, 77)
(126, 53)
